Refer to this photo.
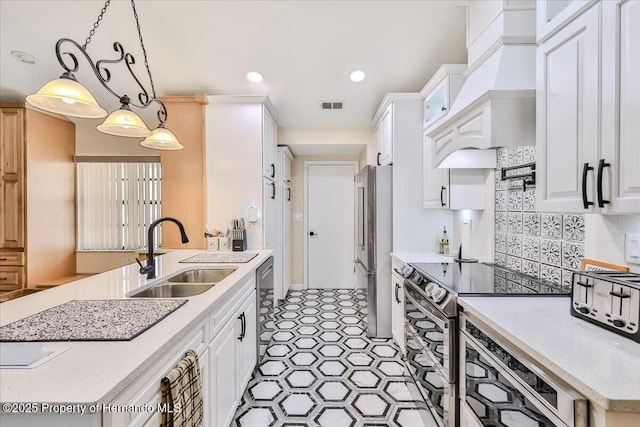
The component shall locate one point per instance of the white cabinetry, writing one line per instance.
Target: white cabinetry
(585, 135)
(270, 195)
(240, 152)
(383, 137)
(552, 14)
(440, 92)
(620, 143)
(397, 305)
(226, 363)
(284, 216)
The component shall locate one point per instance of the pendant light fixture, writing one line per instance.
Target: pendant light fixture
(68, 97)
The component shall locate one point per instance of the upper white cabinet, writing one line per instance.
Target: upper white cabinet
(584, 133)
(551, 15)
(383, 137)
(620, 143)
(440, 92)
(241, 165)
(269, 145)
(435, 181)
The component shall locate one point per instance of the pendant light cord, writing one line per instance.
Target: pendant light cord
(144, 51)
(97, 24)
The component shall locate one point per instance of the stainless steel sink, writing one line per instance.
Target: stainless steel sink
(202, 275)
(173, 290)
(186, 284)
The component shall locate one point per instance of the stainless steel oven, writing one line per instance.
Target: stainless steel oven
(500, 386)
(430, 338)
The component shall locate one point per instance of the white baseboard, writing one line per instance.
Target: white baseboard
(296, 287)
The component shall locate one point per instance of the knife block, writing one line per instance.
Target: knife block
(239, 245)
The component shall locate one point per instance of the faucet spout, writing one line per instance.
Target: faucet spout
(150, 268)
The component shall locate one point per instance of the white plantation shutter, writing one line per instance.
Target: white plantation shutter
(118, 198)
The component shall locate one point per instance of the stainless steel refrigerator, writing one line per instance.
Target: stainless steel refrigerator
(373, 246)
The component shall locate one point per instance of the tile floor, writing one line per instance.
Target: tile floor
(321, 369)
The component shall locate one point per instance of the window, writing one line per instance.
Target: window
(117, 199)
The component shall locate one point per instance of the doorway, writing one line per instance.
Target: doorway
(329, 224)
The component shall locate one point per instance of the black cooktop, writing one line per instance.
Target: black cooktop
(485, 279)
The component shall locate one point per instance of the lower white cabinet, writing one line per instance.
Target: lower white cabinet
(397, 310)
(225, 341)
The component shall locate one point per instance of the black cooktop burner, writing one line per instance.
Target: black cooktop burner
(485, 279)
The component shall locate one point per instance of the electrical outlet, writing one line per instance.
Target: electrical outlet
(632, 248)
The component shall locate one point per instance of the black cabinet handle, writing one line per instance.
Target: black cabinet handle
(378, 159)
(442, 196)
(3, 259)
(601, 165)
(242, 326)
(273, 170)
(585, 170)
(273, 193)
(288, 194)
(397, 297)
(4, 278)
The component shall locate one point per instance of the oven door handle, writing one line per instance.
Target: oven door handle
(441, 323)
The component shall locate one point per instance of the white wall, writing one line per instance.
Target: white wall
(604, 237)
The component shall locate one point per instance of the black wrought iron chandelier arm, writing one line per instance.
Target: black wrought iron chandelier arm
(162, 111)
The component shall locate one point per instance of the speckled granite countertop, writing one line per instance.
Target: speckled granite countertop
(91, 320)
(602, 366)
(90, 372)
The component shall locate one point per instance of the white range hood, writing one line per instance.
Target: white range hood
(496, 105)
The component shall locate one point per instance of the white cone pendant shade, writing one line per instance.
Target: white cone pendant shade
(162, 139)
(67, 97)
(124, 122)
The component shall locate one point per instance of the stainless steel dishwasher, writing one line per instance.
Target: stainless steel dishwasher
(264, 290)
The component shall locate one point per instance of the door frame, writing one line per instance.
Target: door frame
(308, 163)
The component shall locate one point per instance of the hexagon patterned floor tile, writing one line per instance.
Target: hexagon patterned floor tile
(321, 370)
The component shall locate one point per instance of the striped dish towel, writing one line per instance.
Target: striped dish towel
(182, 394)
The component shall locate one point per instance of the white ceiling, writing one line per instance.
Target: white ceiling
(305, 49)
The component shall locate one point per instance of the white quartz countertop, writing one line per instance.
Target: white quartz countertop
(96, 371)
(408, 257)
(602, 366)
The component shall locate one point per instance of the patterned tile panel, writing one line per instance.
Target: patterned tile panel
(544, 245)
(321, 369)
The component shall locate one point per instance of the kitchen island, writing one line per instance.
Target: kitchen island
(600, 365)
(86, 377)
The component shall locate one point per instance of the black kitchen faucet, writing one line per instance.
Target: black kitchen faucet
(150, 268)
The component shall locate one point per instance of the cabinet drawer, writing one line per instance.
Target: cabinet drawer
(11, 278)
(11, 258)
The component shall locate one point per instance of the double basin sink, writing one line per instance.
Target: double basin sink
(186, 284)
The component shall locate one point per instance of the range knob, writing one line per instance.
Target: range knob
(407, 271)
(584, 309)
(439, 295)
(619, 323)
(430, 288)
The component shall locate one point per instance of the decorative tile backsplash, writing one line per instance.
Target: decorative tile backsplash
(543, 245)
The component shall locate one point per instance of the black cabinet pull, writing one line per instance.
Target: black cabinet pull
(397, 297)
(4, 278)
(378, 159)
(601, 165)
(242, 326)
(3, 259)
(273, 193)
(585, 170)
(273, 170)
(288, 194)
(442, 196)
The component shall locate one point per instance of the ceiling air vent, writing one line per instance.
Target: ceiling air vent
(331, 105)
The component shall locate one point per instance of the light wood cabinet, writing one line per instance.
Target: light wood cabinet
(37, 193)
(11, 278)
(12, 178)
(588, 103)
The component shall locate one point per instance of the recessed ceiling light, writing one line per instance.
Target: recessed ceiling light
(254, 77)
(357, 76)
(24, 57)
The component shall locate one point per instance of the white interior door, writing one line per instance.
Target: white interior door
(330, 222)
